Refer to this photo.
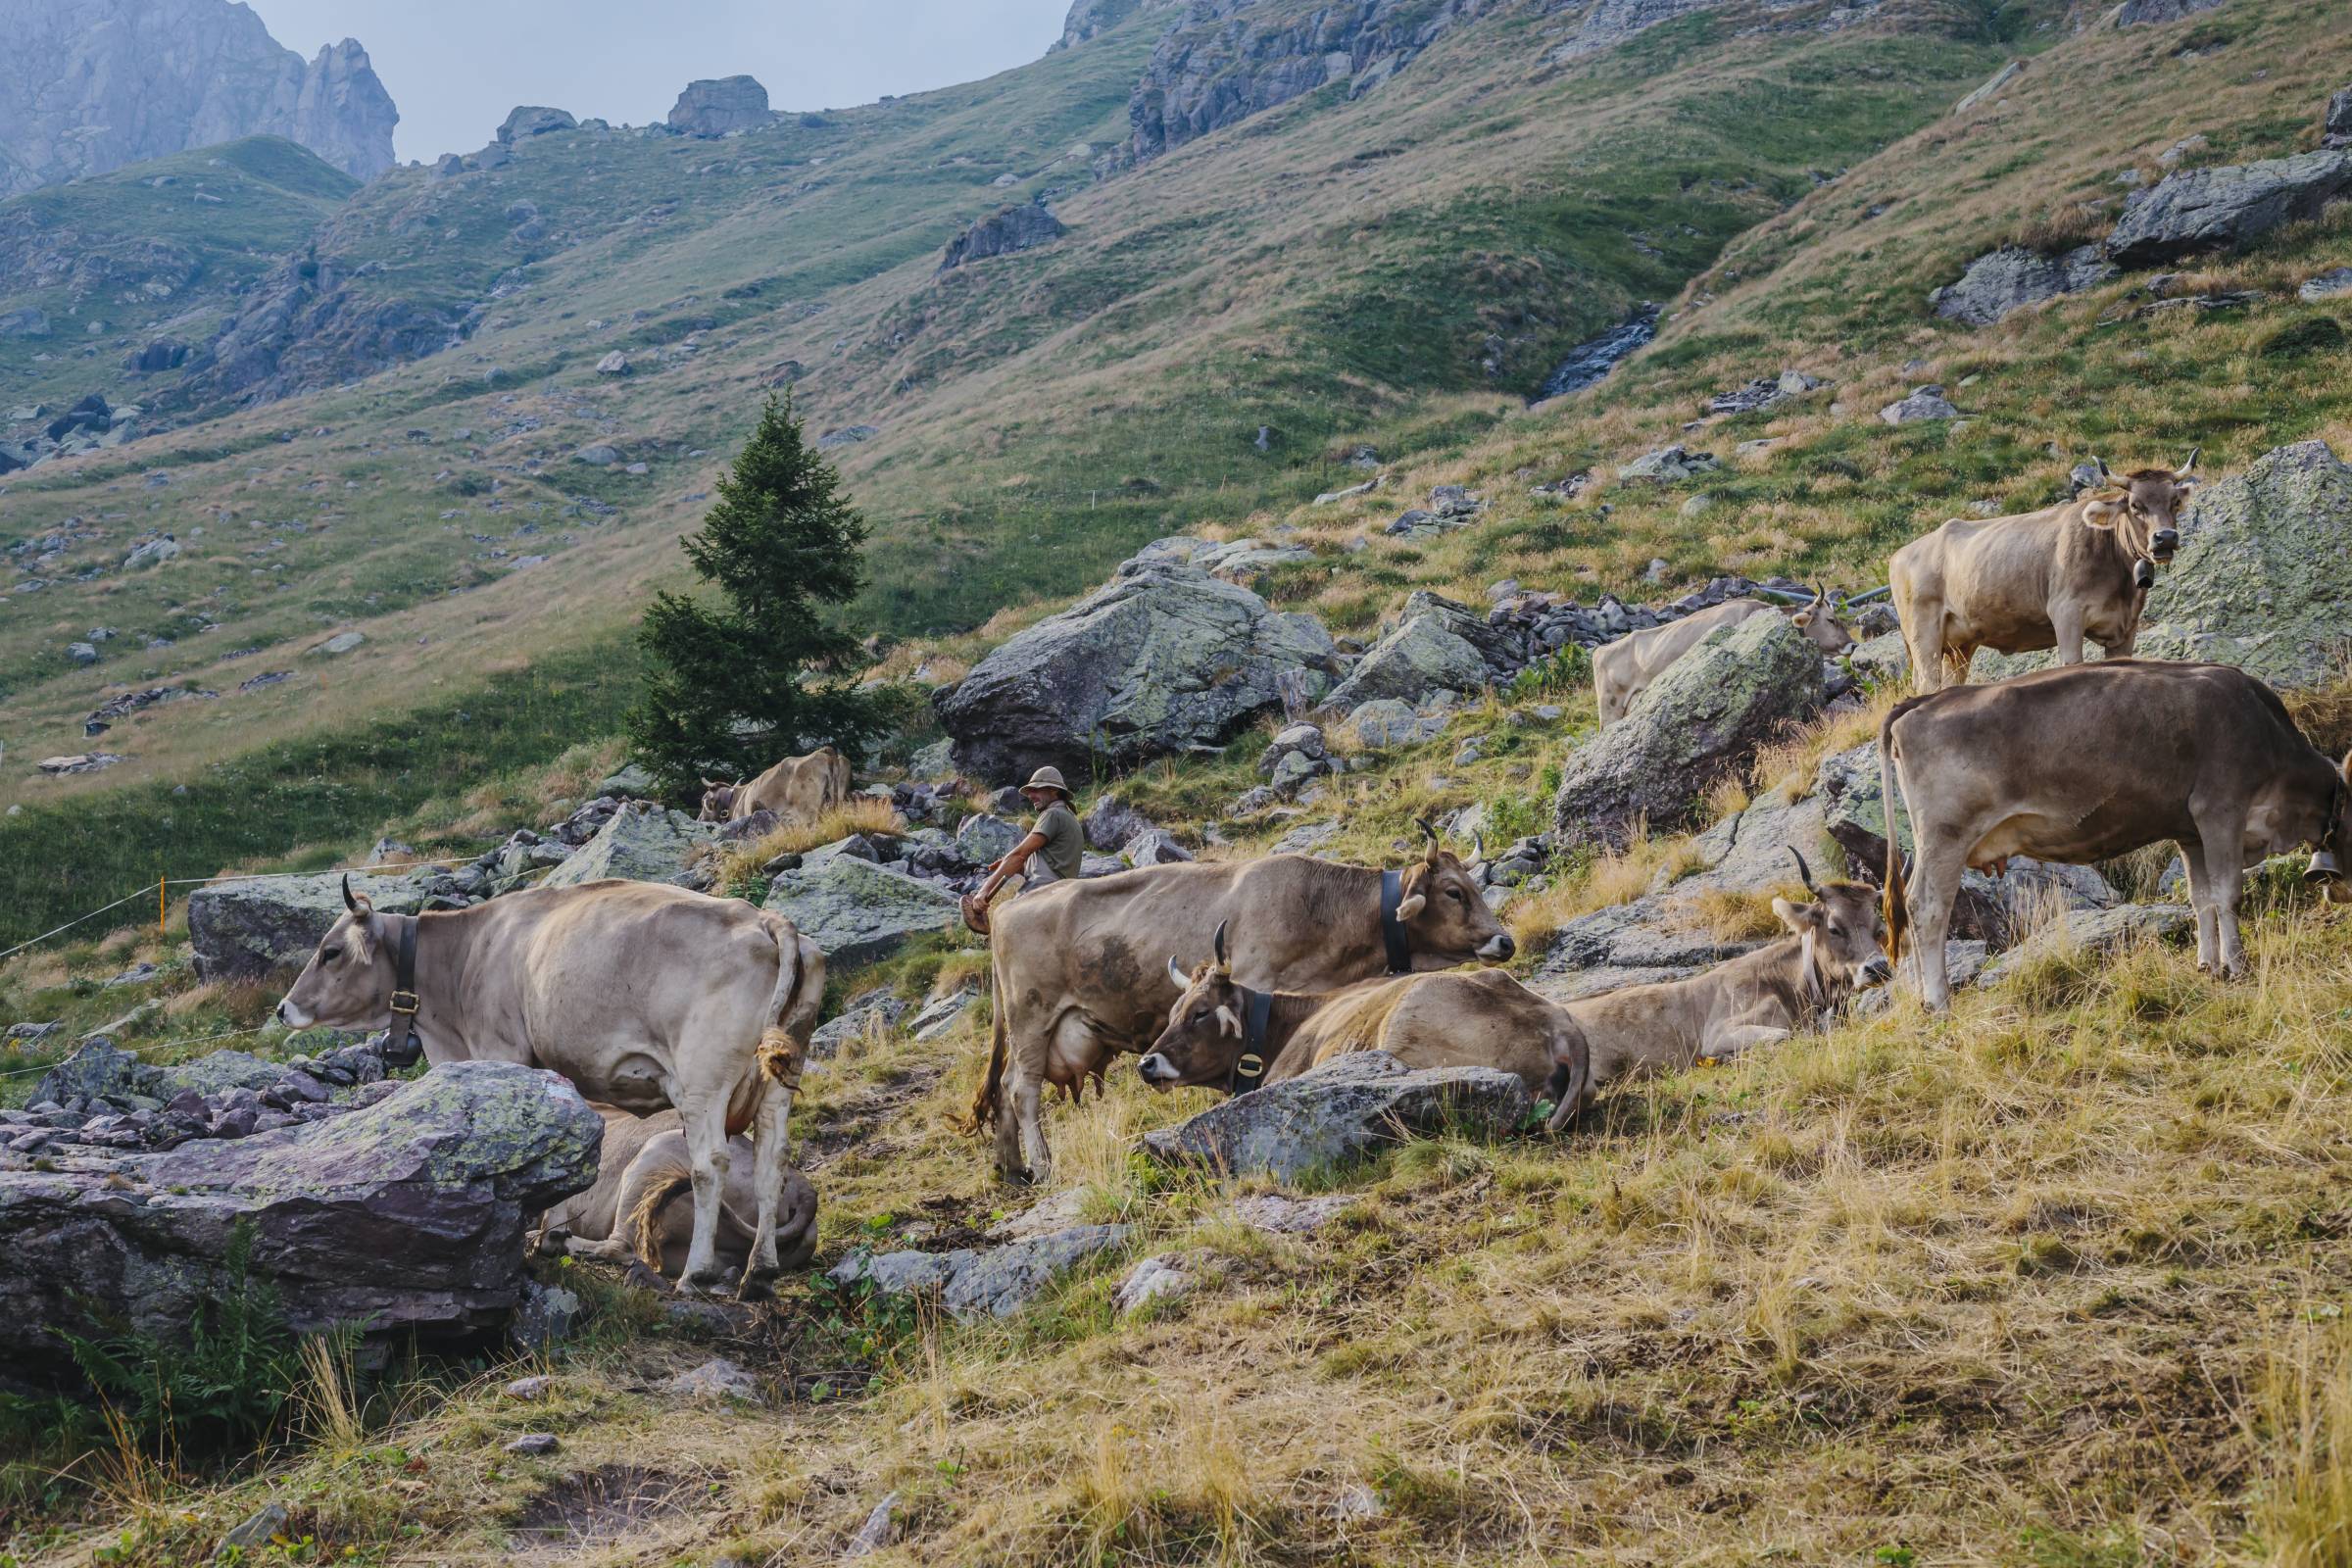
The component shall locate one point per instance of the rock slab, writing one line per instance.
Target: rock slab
(252, 929)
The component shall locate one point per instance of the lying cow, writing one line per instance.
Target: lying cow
(646, 997)
(799, 789)
(1624, 670)
(1226, 1035)
(1078, 970)
(1834, 947)
(2047, 579)
(2089, 761)
(633, 1210)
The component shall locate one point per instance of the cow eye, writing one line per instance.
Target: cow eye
(332, 955)
(1456, 894)
(1201, 1016)
(1835, 929)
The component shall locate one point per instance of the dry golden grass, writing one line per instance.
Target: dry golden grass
(1609, 878)
(863, 814)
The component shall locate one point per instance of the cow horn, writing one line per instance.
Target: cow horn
(349, 902)
(1478, 842)
(2102, 463)
(1804, 872)
(1182, 981)
(1434, 846)
(1222, 961)
(2190, 467)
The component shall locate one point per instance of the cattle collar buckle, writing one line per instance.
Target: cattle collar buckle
(404, 1002)
(1250, 1069)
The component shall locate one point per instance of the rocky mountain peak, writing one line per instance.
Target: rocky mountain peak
(92, 86)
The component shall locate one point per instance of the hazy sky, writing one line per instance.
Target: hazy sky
(455, 66)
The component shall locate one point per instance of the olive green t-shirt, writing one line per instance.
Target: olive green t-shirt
(1065, 846)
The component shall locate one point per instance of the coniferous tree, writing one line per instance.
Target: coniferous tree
(736, 681)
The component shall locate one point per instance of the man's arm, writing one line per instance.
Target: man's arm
(1011, 865)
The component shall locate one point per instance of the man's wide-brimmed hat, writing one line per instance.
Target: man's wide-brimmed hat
(1047, 778)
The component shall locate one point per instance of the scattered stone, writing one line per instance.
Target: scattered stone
(2209, 209)
(998, 1281)
(534, 1444)
(1674, 464)
(1003, 233)
(256, 1530)
(530, 1387)
(715, 1380)
(1389, 722)
(612, 364)
(2334, 283)
(341, 642)
(1154, 1279)
(1924, 404)
(1277, 1216)
(880, 1529)
(2001, 78)
(1340, 1111)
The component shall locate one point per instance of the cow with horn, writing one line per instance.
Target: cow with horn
(1622, 671)
(1079, 970)
(1234, 1037)
(646, 997)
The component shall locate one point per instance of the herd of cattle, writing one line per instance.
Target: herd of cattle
(1233, 975)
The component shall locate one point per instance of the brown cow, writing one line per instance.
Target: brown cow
(646, 997)
(2089, 761)
(1622, 671)
(1834, 947)
(632, 1211)
(2046, 579)
(1078, 970)
(799, 789)
(1224, 1033)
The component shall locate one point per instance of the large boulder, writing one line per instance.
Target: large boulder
(406, 1217)
(2094, 933)
(2012, 277)
(2209, 209)
(1700, 721)
(249, 930)
(2264, 577)
(1015, 228)
(1432, 651)
(995, 1282)
(716, 108)
(642, 843)
(1163, 659)
(534, 120)
(1340, 1112)
(859, 911)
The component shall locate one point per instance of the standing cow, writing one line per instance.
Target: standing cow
(2047, 579)
(2089, 761)
(799, 789)
(1624, 670)
(646, 997)
(1226, 1035)
(1078, 970)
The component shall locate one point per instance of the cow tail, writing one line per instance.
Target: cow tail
(793, 1007)
(1896, 897)
(1571, 1073)
(645, 1220)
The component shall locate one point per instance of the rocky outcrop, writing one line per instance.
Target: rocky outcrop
(641, 842)
(859, 911)
(2212, 208)
(1611, 21)
(1594, 358)
(404, 1216)
(1015, 228)
(1442, 646)
(1342, 1112)
(1091, 19)
(1161, 659)
(2263, 579)
(306, 327)
(94, 85)
(2149, 13)
(1231, 59)
(526, 120)
(1700, 721)
(254, 929)
(2000, 282)
(1922, 406)
(716, 108)
(971, 1283)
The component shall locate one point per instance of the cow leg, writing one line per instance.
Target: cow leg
(707, 1160)
(767, 1180)
(2224, 860)
(1935, 883)
(2200, 899)
(1728, 1037)
(1926, 647)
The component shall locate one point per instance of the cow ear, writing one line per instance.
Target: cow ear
(1410, 904)
(1229, 1022)
(1798, 917)
(2101, 511)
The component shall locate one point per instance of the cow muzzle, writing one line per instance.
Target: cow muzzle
(2164, 543)
(291, 1016)
(2323, 869)
(1878, 972)
(1498, 948)
(1157, 1070)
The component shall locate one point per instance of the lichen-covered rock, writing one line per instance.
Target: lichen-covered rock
(1704, 718)
(2264, 577)
(642, 843)
(995, 1282)
(2208, 209)
(250, 930)
(857, 912)
(716, 108)
(1340, 1112)
(1427, 654)
(2149, 13)
(1163, 659)
(2012, 277)
(405, 1216)
(1672, 464)
(2094, 932)
(1926, 404)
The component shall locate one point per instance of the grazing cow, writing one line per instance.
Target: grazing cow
(1078, 970)
(1834, 947)
(2088, 761)
(1624, 670)
(646, 997)
(1226, 1035)
(2047, 579)
(799, 789)
(632, 1211)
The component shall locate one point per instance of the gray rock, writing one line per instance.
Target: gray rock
(716, 108)
(2009, 279)
(1674, 464)
(1305, 740)
(940, 1014)
(858, 912)
(1926, 404)
(2209, 209)
(256, 1530)
(2095, 932)
(847, 437)
(2149, 13)
(2336, 128)
(612, 364)
(875, 1010)
(341, 642)
(2263, 579)
(985, 839)
(1292, 769)
(1110, 825)
(597, 455)
(251, 930)
(1305, 839)
(1342, 1112)
(631, 783)
(534, 1444)
(998, 1281)
(880, 1529)
(1991, 88)
(641, 843)
(714, 1382)
(1704, 718)
(2334, 283)
(407, 1215)
(1014, 229)
(1431, 652)
(1154, 1279)
(1155, 847)
(1387, 722)
(1161, 659)
(526, 120)
(1274, 1214)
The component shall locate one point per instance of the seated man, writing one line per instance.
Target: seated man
(1056, 833)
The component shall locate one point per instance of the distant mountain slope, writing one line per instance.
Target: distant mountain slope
(91, 85)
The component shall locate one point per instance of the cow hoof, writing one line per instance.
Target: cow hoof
(708, 1282)
(756, 1288)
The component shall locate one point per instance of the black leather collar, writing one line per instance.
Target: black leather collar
(1391, 930)
(401, 1046)
(1250, 1070)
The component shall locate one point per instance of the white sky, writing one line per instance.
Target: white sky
(455, 66)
